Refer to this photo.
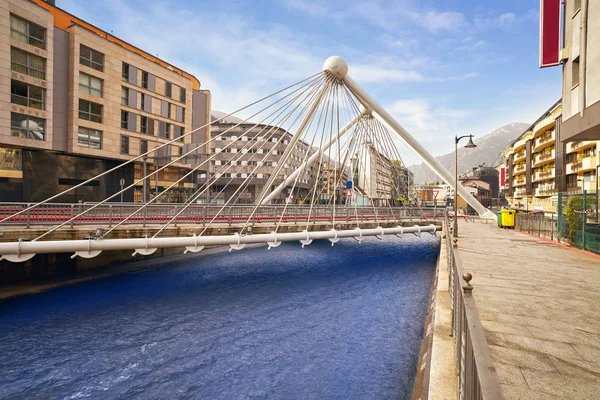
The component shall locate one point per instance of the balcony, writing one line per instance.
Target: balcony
(519, 193)
(520, 167)
(544, 158)
(573, 147)
(519, 182)
(519, 157)
(544, 175)
(583, 164)
(544, 141)
(545, 190)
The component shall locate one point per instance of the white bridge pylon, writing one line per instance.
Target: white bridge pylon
(325, 113)
(339, 68)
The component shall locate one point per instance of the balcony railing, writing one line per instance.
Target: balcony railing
(520, 167)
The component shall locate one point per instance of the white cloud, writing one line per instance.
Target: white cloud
(436, 21)
(317, 9)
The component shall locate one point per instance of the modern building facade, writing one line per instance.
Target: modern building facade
(241, 150)
(76, 101)
(539, 165)
(580, 59)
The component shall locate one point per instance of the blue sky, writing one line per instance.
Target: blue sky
(441, 67)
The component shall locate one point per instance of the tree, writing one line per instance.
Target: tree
(574, 215)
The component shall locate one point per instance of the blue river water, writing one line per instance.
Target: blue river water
(323, 322)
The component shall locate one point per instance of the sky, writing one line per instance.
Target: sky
(440, 67)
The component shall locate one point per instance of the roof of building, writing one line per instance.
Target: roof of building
(63, 19)
(544, 115)
(221, 117)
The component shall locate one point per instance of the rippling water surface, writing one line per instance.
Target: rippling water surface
(323, 322)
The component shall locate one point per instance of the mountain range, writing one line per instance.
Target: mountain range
(488, 151)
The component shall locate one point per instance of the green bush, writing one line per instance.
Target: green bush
(573, 214)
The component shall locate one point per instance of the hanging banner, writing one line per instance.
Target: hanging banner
(549, 33)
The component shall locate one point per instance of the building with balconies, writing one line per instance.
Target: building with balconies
(75, 101)
(539, 165)
(241, 150)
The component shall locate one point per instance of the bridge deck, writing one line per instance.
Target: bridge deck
(538, 302)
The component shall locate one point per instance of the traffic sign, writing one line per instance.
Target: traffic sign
(349, 193)
(122, 182)
(435, 193)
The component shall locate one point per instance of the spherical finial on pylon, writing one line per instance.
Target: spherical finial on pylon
(337, 66)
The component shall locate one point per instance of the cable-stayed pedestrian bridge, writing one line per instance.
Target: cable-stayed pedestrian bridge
(343, 142)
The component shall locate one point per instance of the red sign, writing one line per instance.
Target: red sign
(502, 176)
(435, 193)
(349, 193)
(550, 11)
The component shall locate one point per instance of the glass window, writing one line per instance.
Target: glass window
(143, 103)
(90, 84)
(168, 89)
(144, 124)
(27, 127)
(90, 111)
(91, 138)
(26, 63)
(124, 144)
(143, 146)
(167, 130)
(124, 119)
(91, 58)
(182, 95)
(125, 72)
(124, 96)
(144, 79)
(27, 32)
(27, 95)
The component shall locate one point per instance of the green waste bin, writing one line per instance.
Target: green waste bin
(499, 215)
(508, 218)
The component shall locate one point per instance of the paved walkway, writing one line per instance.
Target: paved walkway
(540, 308)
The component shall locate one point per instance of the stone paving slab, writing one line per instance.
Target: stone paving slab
(539, 305)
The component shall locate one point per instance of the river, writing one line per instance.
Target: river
(323, 322)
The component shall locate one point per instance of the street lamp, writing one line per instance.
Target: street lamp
(469, 145)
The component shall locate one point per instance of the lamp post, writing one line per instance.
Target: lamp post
(469, 145)
(583, 214)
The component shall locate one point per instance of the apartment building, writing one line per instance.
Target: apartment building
(374, 174)
(76, 101)
(241, 150)
(333, 182)
(539, 165)
(580, 59)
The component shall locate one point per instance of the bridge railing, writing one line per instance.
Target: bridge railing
(477, 378)
(158, 214)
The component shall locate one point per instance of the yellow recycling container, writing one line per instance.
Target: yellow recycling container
(508, 218)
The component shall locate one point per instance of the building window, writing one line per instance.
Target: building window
(144, 79)
(182, 95)
(91, 58)
(27, 95)
(91, 138)
(26, 63)
(143, 146)
(125, 72)
(124, 119)
(575, 73)
(90, 84)
(124, 96)
(180, 151)
(124, 144)
(27, 127)
(90, 111)
(168, 89)
(144, 124)
(167, 130)
(143, 103)
(169, 107)
(27, 32)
